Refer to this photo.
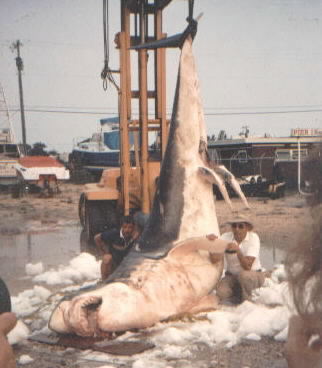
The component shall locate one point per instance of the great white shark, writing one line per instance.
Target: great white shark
(172, 269)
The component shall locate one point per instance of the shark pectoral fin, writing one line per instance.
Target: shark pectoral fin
(212, 177)
(155, 254)
(206, 304)
(217, 246)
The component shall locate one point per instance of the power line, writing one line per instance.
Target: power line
(68, 112)
(41, 44)
(263, 112)
(276, 107)
(72, 107)
(250, 107)
(205, 107)
(206, 113)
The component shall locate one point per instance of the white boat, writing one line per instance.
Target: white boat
(99, 152)
(9, 150)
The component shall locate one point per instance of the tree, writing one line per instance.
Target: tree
(38, 149)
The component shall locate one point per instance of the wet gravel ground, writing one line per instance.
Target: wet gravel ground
(249, 354)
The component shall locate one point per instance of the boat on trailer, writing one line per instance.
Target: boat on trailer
(90, 156)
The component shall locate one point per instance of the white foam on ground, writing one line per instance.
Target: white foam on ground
(25, 359)
(18, 334)
(28, 301)
(81, 268)
(34, 269)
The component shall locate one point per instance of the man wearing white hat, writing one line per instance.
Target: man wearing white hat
(243, 268)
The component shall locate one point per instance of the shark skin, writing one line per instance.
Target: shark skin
(156, 290)
(170, 271)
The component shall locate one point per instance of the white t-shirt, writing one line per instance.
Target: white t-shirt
(249, 247)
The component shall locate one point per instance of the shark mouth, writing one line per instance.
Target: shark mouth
(83, 312)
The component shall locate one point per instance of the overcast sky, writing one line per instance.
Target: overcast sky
(259, 62)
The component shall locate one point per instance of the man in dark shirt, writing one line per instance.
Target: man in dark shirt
(115, 244)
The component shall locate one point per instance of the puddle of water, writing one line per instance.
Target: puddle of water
(271, 256)
(51, 248)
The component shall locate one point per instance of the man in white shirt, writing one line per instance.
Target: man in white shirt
(243, 268)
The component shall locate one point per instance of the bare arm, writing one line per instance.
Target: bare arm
(215, 258)
(245, 261)
(100, 244)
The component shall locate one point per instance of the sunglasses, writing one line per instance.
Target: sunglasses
(238, 226)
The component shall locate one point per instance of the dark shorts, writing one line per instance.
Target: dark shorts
(112, 237)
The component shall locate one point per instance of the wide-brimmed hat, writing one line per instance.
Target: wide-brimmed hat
(240, 219)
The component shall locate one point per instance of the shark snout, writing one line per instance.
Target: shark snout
(57, 320)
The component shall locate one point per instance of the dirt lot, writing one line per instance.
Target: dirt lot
(277, 223)
(18, 215)
(276, 220)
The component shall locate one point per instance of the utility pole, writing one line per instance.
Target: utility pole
(16, 46)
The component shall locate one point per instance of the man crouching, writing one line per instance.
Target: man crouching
(243, 268)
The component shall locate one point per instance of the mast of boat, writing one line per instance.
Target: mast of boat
(5, 120)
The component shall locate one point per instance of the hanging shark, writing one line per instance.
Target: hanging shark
(174, 267)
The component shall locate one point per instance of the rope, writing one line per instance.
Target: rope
(191, 3)
(106, 73)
